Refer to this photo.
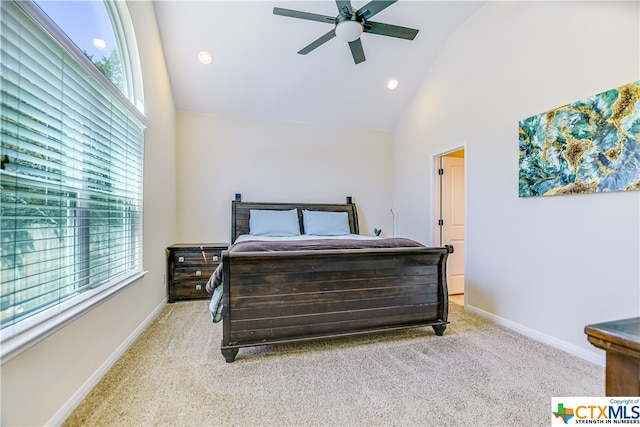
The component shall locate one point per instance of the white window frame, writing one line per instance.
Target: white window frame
(14, 339)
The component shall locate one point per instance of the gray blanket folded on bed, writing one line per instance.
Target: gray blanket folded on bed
(320, 244)
(215, 281)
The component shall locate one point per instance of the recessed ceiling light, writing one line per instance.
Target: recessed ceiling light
(205, 57)
(392, 84)
(100, 44)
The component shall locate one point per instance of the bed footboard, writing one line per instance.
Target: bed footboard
(278, 297)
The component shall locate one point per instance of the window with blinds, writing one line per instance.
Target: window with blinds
(71, 173)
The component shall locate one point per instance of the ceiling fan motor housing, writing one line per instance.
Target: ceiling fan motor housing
(349, 27)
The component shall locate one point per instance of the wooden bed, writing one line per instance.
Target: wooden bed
(278, 297)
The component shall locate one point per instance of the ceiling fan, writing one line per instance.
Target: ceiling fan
(350, 24)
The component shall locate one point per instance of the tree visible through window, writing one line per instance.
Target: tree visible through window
(111, 67)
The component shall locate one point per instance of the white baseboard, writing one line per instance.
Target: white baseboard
(79, 396)
(539, 336)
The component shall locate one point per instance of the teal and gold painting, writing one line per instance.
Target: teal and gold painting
(589, 146)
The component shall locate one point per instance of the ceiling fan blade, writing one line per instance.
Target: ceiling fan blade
(322, 40)
(344, 7)
(373, 7)
(390, 30)
(357, 51)
(304, 15)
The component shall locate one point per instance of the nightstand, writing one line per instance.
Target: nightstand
(189, 267)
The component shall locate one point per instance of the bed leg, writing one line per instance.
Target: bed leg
(439, 329)
(229, 354)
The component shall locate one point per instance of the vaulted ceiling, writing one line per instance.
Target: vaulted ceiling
(257, 72)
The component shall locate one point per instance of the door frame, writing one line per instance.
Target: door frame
(437, 201)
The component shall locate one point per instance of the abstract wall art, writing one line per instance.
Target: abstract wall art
(589, 146)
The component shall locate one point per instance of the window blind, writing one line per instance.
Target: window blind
(71, 175)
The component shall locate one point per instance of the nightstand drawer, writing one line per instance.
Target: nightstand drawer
(194, 272)
(188, 289)
(197, 256)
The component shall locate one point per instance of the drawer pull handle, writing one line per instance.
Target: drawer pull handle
(198, 287)
(180, 259)
(215, 258)
(198, 273)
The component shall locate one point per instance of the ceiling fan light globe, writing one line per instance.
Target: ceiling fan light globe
(349, 31)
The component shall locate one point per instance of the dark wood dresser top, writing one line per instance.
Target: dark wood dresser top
(624, 332)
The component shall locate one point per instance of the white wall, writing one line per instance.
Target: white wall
(546, 265)
(41, 385)
(272, 161)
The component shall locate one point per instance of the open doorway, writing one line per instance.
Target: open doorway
(450, 216)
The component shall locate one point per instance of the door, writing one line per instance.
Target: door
(452, 215)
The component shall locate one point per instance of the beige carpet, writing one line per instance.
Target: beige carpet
(476, 374)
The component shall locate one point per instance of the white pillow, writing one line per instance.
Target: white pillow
(318, 223)
(274, 223)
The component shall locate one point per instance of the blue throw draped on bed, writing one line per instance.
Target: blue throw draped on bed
(215, 306)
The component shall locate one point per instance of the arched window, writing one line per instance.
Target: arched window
(72, 164)
(102, 31)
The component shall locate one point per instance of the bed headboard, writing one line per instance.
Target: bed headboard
(240, 213)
